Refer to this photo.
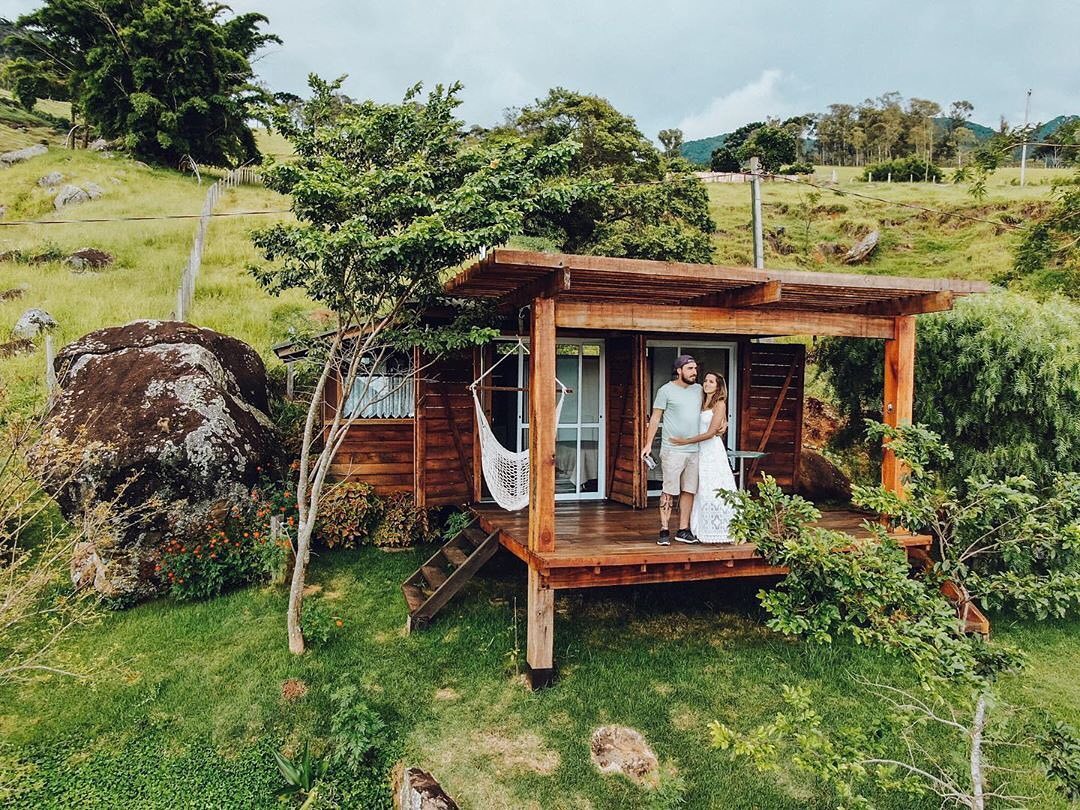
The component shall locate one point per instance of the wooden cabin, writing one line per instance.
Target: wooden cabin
(609, 329)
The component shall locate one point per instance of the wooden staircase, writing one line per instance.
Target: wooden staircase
(445, 573)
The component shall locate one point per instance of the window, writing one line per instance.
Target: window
(384, 393)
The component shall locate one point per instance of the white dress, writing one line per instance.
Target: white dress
(711, 516)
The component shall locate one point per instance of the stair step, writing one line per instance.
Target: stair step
(473, 534)
(413, 596)
(455, 555)
(435, 576)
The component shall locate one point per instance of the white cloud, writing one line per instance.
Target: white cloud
(752, 102)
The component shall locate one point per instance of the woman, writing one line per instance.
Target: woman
(712, 515)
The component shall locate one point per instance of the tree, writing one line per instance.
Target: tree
(388, 199)
(639, 202)
(168, 77)
(773, 145)
(724, 159)
(672, 140)
(1047, 257)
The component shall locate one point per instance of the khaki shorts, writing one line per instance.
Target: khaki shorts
(680, 471)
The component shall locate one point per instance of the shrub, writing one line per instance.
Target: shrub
(356, 729)
(318, 622)
(904, 170)
(223, 558)
(349, 514)
(998, 378)
(798, 168)
(403, 523)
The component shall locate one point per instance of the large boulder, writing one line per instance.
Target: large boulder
(166, 424)
(19, 155)
(820, 480)
(70, 195)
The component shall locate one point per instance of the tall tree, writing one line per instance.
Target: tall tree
(168, 77)
(641, 203)
(388, 199)
(672, 141)
(773, 145)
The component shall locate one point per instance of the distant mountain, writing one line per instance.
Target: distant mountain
(700, 151)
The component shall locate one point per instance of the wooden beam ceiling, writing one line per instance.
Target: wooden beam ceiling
(752, 295)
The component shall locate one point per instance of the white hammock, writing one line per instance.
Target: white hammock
(505, 471)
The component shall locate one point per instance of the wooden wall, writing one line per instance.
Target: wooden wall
(771, 379)
(625, 364)
(378, 452)
(446, 431)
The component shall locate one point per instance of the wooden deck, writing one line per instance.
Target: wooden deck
(600, 543)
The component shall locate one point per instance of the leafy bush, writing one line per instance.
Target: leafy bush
(349, 514)
(904, 170)
(799, 168)
(318, 622)
(998, 378)
(403, 523)
(356, 729)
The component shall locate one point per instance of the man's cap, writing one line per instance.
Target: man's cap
(681, 361)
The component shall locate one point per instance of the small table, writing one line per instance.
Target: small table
(741, 456)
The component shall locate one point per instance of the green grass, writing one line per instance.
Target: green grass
(914, 243)
(180, 686)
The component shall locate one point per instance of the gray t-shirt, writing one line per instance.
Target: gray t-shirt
(682, 408)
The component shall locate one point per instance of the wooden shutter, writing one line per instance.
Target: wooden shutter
(771, 377)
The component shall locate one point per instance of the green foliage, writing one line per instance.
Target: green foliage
(772, 145)
(998, 378)
(169, 78)
(633, 201)
(356, 730)
(1059, 752)
(349, 514)
(455, 524)
(30, 81)
(302, 774)
(319, 623)
(1005, 542)
(672, 140)
(402, 523)
(1047, 255)
(903, 170)
(724, 159)
(798, 168)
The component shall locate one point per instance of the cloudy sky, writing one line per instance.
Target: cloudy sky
(706, 67)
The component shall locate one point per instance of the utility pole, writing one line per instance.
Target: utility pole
(929, 146)
(1023, 149)
(755, 197)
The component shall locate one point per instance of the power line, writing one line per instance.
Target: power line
(147, 218)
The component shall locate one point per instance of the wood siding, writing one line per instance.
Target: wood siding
(771, 408)
(445, 415)
(623, 420)
(378, 452)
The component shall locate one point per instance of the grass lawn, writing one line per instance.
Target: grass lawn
(185, 701)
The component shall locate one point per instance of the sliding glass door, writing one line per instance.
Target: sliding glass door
(715, 357)
(579, 442)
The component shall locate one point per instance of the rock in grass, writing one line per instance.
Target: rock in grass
(99, 145)
(12, 294)
(16, 347)
(618, 749)
(416, 789)
(862, 249)
(70, 195)
(51, 179)
(19, 155)
(93, 190)
(164, 419)
(32, 323)
(88, 259)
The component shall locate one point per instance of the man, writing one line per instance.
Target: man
(678, 403)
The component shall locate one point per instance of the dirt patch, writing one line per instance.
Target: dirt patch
(618, 749)
(293, 689)
(446, 693)
(684, 718)
(525, 752)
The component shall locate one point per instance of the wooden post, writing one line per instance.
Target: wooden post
(50, 367)
(899, 394)
(419, 432)
(290, 381)
(541, 599)
(755, 199)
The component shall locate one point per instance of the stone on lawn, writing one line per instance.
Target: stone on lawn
(88, 258)
(19, 155)
(50, 180)
(618, 749)
(32, 323)
(416, 789)
(99, 145)
(165, 420)
(93, 190)
(70, 195)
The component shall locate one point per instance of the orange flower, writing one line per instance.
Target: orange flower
(339, 623)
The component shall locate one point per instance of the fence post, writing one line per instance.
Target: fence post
(50, 370)
(755, 195)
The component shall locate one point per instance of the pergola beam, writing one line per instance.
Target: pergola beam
(752, 295)
(707, 320)
(548, 285)
(899, 395)
(909, 305)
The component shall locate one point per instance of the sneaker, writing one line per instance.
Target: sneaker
(665, 538)
(686, 536)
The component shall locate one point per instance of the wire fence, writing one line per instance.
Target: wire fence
(185, 293)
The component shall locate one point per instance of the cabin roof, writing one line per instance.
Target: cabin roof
(515, 277)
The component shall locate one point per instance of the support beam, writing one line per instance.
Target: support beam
(540, 643)
(911, 305)
(752, 295)
(548, 285)
(706, 320)
(542, 426)
(899, 394)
